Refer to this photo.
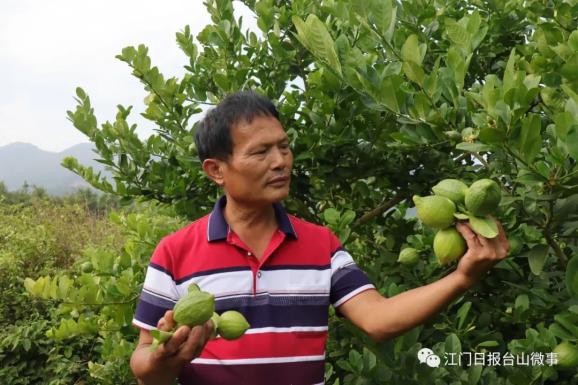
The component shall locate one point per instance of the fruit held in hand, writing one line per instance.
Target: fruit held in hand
(435, 211)
(408, 256)
(567, 355)
(232, 325)
(195, 308)
(448, 245)
(453, 189)
(483, 197)
(193, 288)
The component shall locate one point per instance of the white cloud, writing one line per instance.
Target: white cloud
(49, 48)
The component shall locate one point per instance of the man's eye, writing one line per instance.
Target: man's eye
(260, 152)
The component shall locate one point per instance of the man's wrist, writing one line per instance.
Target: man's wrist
(463, 281)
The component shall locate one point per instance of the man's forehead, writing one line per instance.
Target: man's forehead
(261, 128)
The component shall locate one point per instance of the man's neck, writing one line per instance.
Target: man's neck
(244, 218)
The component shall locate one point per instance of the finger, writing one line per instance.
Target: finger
(172, 346)
(484, 242)
(469, 235)
(169, 321)
(166, 323)
(194, 344)
(501, 240)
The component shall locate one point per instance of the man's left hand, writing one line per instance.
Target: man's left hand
(483, 253)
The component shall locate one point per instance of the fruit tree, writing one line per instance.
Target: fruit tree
(383, 99)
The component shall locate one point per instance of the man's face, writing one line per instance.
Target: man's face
(259, 170)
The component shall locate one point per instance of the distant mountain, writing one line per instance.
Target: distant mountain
(24, 162)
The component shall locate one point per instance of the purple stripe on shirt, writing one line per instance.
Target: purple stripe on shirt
(149, 313)
(350, 279)
(282, 316)
(292, 373)
(267, 315)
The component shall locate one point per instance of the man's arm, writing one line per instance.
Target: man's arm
(163, 366)
(384, 318)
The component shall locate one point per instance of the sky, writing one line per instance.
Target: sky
(48, 48)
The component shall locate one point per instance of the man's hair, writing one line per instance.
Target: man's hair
(213, 135)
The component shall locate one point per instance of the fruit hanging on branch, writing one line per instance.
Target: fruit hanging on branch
(454, 200)
(408, 256)
(435, 211)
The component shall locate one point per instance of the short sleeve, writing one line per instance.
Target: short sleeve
(347, 280)
(159, 292)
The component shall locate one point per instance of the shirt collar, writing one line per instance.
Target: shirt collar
(218, 228)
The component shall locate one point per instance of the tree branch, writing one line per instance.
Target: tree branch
(380, 209)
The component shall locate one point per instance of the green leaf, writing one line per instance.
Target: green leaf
(380, 13)
(486, 227)
(473, 147)
(573, 41)
(572, 277)
(389, 93)
(522, 303)
(458, 64)
(492, 135)
(488, 344)
(457, 34)
(530, 140)
(369, 359)
(560, 332)
(568, 321)
(413, 72)
(410, 50)
(537, 258)
(331, 216)
(29, 285)
(453, 344)
(462, 313)
(313, 34)
(474, 374)
(461, 216)
(509, 73)
(347, 217)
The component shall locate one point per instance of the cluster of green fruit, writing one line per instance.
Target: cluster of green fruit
(196, 308)
(452, 200)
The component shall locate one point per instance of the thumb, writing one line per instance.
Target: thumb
(167, 323)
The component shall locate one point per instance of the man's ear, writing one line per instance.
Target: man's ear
(213, 169)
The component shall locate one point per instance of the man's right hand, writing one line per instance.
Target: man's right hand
(163, 365)
(185, 344)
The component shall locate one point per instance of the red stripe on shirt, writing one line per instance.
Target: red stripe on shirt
(267, 345)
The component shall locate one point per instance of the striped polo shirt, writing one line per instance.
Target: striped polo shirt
(285, 297)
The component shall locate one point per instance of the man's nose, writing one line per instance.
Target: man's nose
(280, 159)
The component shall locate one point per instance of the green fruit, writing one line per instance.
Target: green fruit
(193, 287)
(453, 189)
(408, 256)
(567, 355)
(86, 267)
(194, 309)
(483, 197)
(435, 211)
(232, 325)
(448, 245)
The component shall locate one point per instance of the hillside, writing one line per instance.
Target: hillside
(24, 162)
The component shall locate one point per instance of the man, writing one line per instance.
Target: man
(281, 272)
